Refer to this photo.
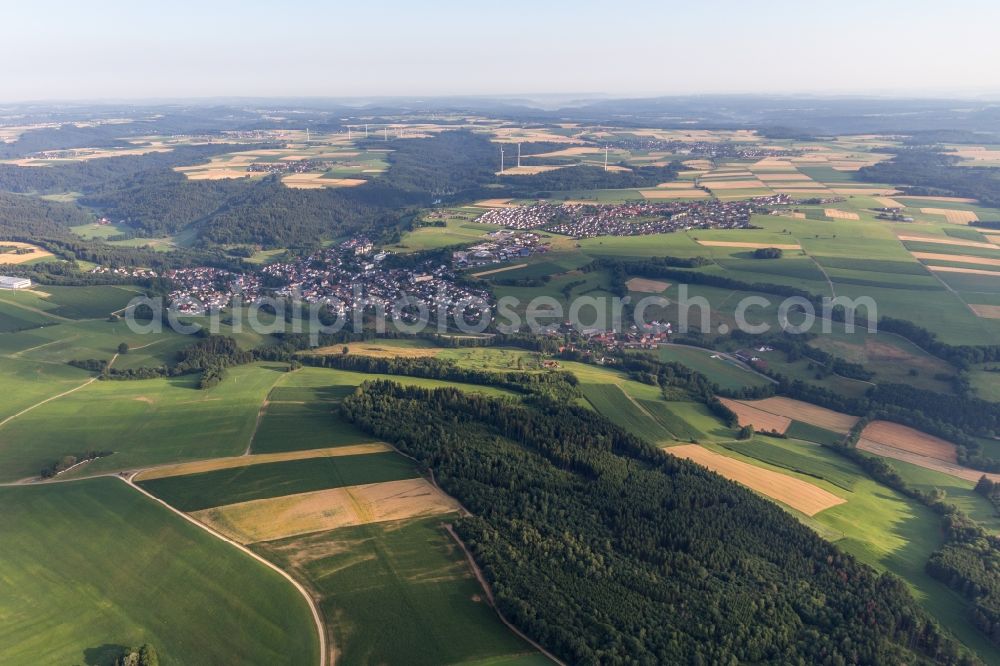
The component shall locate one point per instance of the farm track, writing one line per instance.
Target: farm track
(55, 397)
(324, 658)
(489, 597)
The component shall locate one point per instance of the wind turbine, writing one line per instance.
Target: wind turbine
(366, 130)
(518, 155)
(501, 160)
(606, 147)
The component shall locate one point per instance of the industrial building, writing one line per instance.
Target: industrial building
(14, 282)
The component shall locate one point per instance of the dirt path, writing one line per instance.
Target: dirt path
(489, 597)
(256, 425)
(320, 627)
(833, 291)
(55, 397)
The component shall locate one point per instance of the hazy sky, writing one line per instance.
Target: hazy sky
(62, 49)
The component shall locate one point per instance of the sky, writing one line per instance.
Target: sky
(109, 49)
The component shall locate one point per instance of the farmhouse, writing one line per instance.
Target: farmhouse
(14, 282)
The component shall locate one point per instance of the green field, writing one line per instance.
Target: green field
(144, 422)
(399, 593)
(292, 427)
(727, 374)
(91, 566)
(811, 433)
(796, 456)
(73, 302)
(192, 492)
(611, 401)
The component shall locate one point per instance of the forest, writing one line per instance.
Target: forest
(929, 172)
(605, 550)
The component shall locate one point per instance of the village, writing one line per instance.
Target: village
(500, 246)
(632, 218)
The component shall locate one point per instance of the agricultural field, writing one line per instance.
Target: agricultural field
(172, 585)
(192, 492)
(144, 422)
(410, 575)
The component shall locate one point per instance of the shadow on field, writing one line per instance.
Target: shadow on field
(104, 655)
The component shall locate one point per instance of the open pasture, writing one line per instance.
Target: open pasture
(69, 600)
(794, 492)
(321, 510)
(203, 490)
(728, 374)
(145, 422)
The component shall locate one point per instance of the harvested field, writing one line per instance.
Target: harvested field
(945, 199)
(953, 216)
(697, 164)
(865, 191)
(806, 412)
(733, 184)
(926, 462)
(313, 181)
(495, 203)
(530, 170)
(681, 185)
(948, 240)
(986, 311)
(719, 173)
(907, 439)
(968, 271)
(840, 214)
(960, 258)
(502, 269)
(796, 493)
(647, 286)
(886, 202)
(780, 246)
(15, 258)
(569, 152)
(784, 176)
(291, 515)
(760, 420)
(242, 461)
(673, 194)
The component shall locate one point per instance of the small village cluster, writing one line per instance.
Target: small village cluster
(701, 149)
(351, 278)
(632, 218)
(205, 288)
(288, 166)
(500, 246)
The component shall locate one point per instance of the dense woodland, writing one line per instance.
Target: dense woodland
(605, 550)
(929, 172)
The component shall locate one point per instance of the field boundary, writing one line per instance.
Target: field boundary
(489, 596)
(324, 660)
